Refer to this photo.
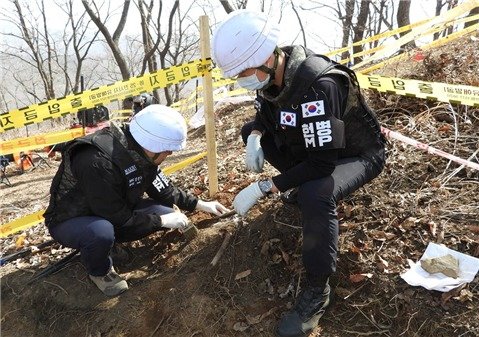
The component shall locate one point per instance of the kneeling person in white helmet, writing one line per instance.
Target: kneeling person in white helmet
(97, 192)
(313, 125)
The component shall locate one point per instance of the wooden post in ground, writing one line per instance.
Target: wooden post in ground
(208, 106)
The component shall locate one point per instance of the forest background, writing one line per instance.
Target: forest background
(51, 48)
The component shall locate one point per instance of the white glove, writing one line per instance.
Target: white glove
(174, 220)
(213, 207)
(246, 198)
(254, 153)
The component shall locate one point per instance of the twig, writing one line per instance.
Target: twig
(297, 287)
(408, 324)
(222, 249)
(158, 326)
(355, 291)
(56, 285)
(287, 225)
(456, 171)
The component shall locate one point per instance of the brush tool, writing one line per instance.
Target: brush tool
(190, 231)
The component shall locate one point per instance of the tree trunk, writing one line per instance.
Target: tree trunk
(347, 22)
(402, 18)
(360, 27)
(112, 41)
(227, 6)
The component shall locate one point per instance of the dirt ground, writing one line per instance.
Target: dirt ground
(176, 291)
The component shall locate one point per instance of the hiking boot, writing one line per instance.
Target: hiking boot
(110, 284)
(305, 315)
(290, 196)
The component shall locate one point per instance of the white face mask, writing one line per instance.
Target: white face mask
(252, 82)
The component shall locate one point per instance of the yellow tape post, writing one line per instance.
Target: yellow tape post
(443, 92)
(36, 218)
(105, 94)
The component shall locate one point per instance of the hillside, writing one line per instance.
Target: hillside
(174, 290)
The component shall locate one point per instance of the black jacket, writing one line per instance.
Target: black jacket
(318, 117)
(106, 174)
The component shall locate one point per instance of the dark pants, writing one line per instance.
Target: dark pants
(94, 236)
(317, 200)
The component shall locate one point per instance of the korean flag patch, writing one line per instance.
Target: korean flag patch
(287, 118)
(314, 108)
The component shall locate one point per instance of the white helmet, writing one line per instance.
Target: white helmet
(159, 128)
(246, 39)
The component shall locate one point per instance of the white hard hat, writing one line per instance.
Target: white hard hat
(244, 40)
(159, 128)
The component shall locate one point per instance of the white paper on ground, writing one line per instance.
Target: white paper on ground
(416, 276)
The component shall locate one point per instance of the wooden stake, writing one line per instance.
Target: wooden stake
(208, 108)
(221, 250)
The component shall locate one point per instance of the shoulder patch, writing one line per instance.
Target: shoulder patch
(313, 108)
(287, 118)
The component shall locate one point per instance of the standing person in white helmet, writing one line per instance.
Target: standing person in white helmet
(97, 192)
(313, 125)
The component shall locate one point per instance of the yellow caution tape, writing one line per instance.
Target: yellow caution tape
(36, 218)
(428, 46)
(182, 164)
(22, 223)
(443, 92)
(376, 37)
(108, 93)
(438, 21)
(38, 141)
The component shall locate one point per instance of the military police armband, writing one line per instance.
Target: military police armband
(321, 129)
(161, 181)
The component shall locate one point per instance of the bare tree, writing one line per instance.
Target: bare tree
(402, 18)
(239, 4)
(81, 44)
(360, 27)
(39, 53)
(184, 45)
(347, 23)
(111, 40)
(165, 40)
(300, 23)
(148, 43)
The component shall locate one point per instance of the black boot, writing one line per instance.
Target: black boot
(305, 315)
